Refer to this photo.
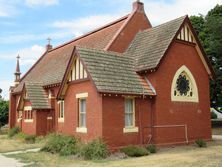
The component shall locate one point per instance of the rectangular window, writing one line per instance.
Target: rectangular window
(129, 112)
(82, 112)
(28, 114)
(61, 109)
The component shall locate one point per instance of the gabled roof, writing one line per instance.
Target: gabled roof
(37, 96)
(150, 45)
(112, 72)
(51, 67)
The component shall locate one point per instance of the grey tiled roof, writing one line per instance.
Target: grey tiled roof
(51, 68)
(113, 72)
(37, 96)
(149, 46)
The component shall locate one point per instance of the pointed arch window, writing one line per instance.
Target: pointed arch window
(184, 86)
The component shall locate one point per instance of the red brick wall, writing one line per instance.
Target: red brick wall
(171, 113)
(29, 127)
(113, 121)
(93, 111)
(41, 122)
(137, 23)
(12, 111)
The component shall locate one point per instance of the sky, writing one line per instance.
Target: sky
(25, 25)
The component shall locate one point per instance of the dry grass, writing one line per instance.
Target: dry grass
(15, 144)
(182, 156)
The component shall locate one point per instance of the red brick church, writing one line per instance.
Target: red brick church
(126, 82)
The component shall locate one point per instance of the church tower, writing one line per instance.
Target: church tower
(17, 72)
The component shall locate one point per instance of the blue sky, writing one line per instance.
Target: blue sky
(26, 24)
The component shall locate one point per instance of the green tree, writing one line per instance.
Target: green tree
(4, 109)
(209, 31)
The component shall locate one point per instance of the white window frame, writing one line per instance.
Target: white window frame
(28, 110)
(61, 111)
(79, 97)
(132, 128)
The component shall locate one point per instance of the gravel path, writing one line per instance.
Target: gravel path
(9, 162)
(217, 137)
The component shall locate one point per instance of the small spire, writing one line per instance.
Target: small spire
(17, 72)
(48, 46)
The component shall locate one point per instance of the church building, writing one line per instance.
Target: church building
(126, 82)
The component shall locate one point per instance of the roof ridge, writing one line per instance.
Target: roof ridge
(91, 32)
(99, 50)
(162, 24)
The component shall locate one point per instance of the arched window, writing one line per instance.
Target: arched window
(184, 86)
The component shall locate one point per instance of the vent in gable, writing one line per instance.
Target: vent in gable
(78, 71)
(186, 34)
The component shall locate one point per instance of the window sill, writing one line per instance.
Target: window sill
(28, 120)
(61, 120)
(130, 129)
(19, 119)
(49, 118)
(81, 129)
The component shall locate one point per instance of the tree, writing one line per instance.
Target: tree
(209, 31)
(4, 109)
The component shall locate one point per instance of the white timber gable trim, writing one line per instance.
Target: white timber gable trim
(186, 35)
(78, 71)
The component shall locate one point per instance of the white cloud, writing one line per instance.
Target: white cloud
(28, 55)
(162, 11)
(7, 8)
(82, 25)
(41, 2)
(17, 38)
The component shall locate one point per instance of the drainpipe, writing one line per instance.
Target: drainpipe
(151, 119)
(140, 124)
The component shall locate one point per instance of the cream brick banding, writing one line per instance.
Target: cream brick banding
(28, 120)
(27, 108)
(81, 95)
(81, 129)
(130, 129)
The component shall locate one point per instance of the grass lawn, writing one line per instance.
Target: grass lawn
(180, 156)
(16, 143)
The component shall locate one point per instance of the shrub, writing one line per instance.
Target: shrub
(94, 150)
(64, 145)
(151, 148)
(4, 130)
(20, 135)
(134, 151)
(13, 131)
(213, 115)
(201, 143)
(30, 139)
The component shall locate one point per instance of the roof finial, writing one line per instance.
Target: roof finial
(49, 40)
(48, 46)
(17, 72)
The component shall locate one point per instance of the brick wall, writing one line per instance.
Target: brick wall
(195, 115)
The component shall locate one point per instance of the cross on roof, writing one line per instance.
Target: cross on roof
(49, 40)
(18, 57)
